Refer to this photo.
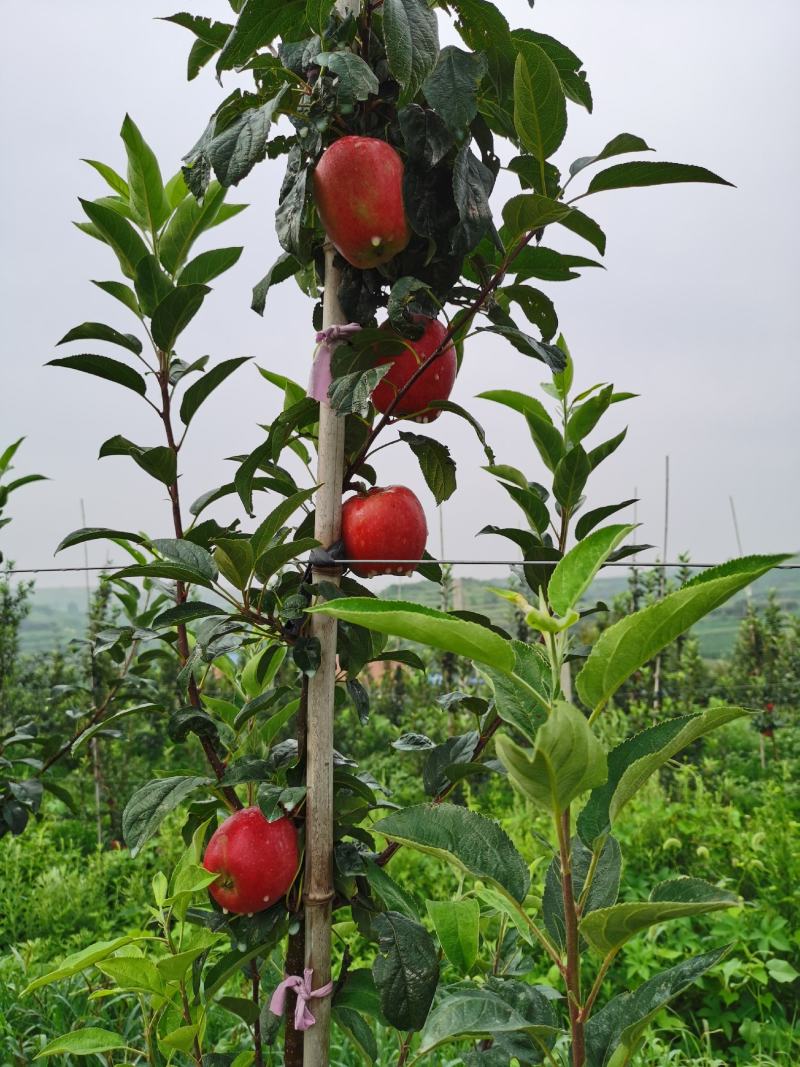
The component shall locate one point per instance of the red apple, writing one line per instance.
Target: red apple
(257, 861)
(358, 190)
(435, 382)
(384, 525)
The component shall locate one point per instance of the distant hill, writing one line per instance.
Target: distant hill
(58, 615)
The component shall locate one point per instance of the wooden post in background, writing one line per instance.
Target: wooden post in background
(319, 738)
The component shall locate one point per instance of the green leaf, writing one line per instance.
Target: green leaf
(537, 307)
(350, 394)
(277, 518)
(445, 758)
(451, 88)
(531, 211)
(184, 613)
(585, 416)
(546, 263)
(205, 386)
(614, 1033)
(94, 533)
(234, 557)
(284, 267)
(160, 462)
(617, 146)
(567, 759)
(355, 79)
(584, 227)
(104, 367)
(98, 331)
(121, 292)
(114, 180)
(604, 450)
(233, 152)
(209, 265)
(425, 625)
(411, 36)
(571, 475)
(630, 175)
(631, 764)
(317, 14)
(532, 504)
(393, 895)
(152, 284)
(607, 929)
(576, 571)
(520, 697)
(189, 555)
(174, 314)
(406, 970)
(469, 841)
(590, 519)
(147, 197)
(457, 925)
(498, 1008)
(79, 961)
(105, 722)
(133, 972)
(87, 1042)
(118, 233)
(151, 803)
(635, 639)
(190, 219)
(437, 465)
(540, 107)
(358, 1031)
(271, 561)
(259, 23)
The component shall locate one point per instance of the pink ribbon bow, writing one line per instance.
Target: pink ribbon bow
(303, 1019)
(320, 380)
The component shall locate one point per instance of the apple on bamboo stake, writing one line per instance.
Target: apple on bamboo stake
(434, 384)
(358, 191)
(256, 861)
(383, 525)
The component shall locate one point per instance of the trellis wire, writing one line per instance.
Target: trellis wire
(441, 562)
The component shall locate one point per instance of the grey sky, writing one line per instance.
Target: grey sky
(697, 310)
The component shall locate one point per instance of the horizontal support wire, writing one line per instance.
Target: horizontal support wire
(420, 562)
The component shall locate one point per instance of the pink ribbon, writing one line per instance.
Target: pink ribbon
(303, 1019)
(320, 380)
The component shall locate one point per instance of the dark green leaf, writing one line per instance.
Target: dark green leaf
(175, 312)
(187, 721)
(209, 265)
(203, 387)
(584, 227)
(355, 79)
(455, 750)
(570, 477)
(103, 367)
(98, 331)
(284, 267)
(590, 519)
(469, 841)
(406, 971)
(118, 233)
(602, 893)
(472, 186)
(437, 466)
(147, 198)
(532, 211)
(152, 283)
(151, 803)
(548, 264)
(452, 86)
(259, 23)
(120, 292)
(350, 394)
(537, 307)
(540, 108)
(183, 613)
(617, 146)
(629, 175)
(190, 219)
(411, 36)
(94, 533)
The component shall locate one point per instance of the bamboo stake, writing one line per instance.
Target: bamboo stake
(319, 742)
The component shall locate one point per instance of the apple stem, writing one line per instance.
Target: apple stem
(318, 894)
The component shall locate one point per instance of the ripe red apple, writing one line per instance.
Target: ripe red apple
(435, 382)
(256, 860)
(358, 190)
(383, 525)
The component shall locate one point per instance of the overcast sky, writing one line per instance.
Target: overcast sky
(697, 310)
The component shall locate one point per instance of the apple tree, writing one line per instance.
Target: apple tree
(392, 146)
